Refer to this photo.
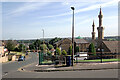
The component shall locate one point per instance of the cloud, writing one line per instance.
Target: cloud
(111, 17)
(92, 7)
(27, 7)
(60, 21)
(54, 0)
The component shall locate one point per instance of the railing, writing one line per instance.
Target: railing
(105, 55)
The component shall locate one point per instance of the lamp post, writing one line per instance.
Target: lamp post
(43, 35)
(73, 36)
(101, 52)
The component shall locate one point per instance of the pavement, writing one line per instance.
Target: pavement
(34, 67)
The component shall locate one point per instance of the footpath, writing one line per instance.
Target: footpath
(34, 67)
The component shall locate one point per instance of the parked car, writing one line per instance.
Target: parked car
(26, 53)
(21, 58)
(80, 58)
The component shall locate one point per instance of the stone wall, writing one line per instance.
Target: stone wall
(3, 59)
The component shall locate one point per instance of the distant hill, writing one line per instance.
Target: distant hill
(110, 38)
(47, 39)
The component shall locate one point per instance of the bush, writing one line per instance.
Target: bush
(49, 53)
(70, 50)
(77, 49)
(43, 48)
(58, 51)
(50, 46)
(92, 49)
(64, 52)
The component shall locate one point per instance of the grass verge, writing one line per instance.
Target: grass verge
(98, 60)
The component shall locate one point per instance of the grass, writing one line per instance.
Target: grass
(98, 60)
(17, 53)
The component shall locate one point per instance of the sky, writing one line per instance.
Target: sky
(25, 20)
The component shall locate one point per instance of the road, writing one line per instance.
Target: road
(12, 71)
(12, 67)
(66, 74)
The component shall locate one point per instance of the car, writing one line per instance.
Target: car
(80, 58)
(26, 53)
(21, 58)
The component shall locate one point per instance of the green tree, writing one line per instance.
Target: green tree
(21, 47)
(16, 49)
(49, 53)
(92, 49)
(64, 53)
(37, 44)
(10, 45)
(70, 50)
(50, 46)
(52, 41)
(77, 49)
(43, 47)
(58, 51)
(31, 46)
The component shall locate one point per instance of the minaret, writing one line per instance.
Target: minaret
(93, 32)
(100, 28)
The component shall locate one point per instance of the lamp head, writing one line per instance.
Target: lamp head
(72, 8)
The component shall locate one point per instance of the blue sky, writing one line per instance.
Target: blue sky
(25, 20)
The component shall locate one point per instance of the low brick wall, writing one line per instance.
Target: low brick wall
(14, 58)
(3, 59)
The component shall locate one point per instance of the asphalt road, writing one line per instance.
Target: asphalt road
(113, 73)
(10, 70)
(12, 67)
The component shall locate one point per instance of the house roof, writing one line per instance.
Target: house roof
(59, 41)
(78, 41)
(112, 45)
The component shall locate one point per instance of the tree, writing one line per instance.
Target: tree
(64, 53)
(49, 53)
(92, 49)
(10, 45)
(77, 49)
(50, 46)
(43, 47)
(52, 41)
(70, 50)
(37, 44)
(31, 46)
(21, 47)
(58, 51)
(16, 49)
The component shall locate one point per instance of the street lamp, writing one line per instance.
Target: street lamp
(101, 50)
(73, 37)
(43, 35)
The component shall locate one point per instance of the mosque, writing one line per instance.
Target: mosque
(100, 42)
